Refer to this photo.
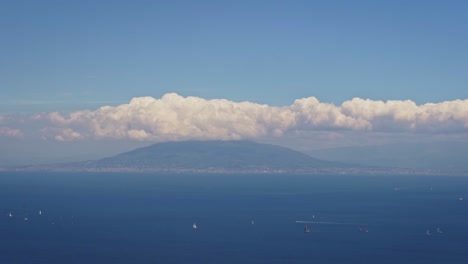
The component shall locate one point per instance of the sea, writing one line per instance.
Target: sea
(148, 218)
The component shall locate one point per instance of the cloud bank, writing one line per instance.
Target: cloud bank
(174, 117)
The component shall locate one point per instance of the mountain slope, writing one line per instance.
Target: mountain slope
(445, 156)
(212, 155)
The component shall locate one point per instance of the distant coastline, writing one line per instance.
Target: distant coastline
(223, 157)
(323, 171)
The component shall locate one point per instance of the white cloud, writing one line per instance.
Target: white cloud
(407, 116)
(10, 132)
(174, 117)
(68, 135)
(315, 115)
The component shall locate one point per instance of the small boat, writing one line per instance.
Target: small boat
(40, 212)
(306, 229)
(194, 226)
(10, 215)
(428, 233)
(364, 229)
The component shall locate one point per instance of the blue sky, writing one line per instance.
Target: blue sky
(163, 65)
(62, 55)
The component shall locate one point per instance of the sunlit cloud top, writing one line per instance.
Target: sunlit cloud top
(174, 117)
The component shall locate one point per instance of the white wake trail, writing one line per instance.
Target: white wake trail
(327, 223)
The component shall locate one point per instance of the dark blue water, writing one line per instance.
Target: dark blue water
(145, 218)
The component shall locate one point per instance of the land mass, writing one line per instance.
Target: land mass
(217, 157)
(442, 156)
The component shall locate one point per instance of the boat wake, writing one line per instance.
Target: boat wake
(326, 223)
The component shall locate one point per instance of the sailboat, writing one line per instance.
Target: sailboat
(10, 215)
(40, 212)
(194, 226)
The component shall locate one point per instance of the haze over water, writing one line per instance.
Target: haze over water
(147, 218)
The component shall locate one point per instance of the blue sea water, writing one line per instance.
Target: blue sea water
(147, 218)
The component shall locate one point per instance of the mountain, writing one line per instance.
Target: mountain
(212, 156)
(204, 156)
(251, 157)
(443, 156)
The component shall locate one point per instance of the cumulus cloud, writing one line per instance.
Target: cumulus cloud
(407, 116)
(174, 117)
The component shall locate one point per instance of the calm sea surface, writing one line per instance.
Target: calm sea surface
(147, 218)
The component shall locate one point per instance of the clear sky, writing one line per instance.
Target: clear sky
(58, 55)
(80, 55)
